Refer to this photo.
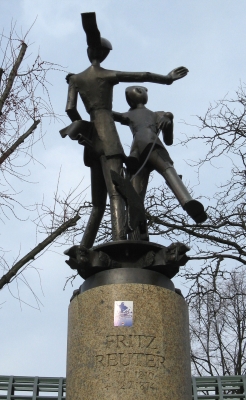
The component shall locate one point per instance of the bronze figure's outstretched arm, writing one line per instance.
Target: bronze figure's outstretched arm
(168, 79)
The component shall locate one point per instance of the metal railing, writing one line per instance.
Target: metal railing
(35, 388)
(219, 387)
(38, 388)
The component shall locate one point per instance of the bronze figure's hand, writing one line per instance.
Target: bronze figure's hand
(165, 122)
(178, 73)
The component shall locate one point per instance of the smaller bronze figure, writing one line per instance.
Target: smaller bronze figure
(145, 125)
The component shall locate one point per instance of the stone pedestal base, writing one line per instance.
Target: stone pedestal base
(148, 360)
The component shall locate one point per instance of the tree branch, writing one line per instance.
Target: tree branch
(1, 74)
(41, 246)
(12, 75)
(192, 232)
(20, 140)
(218, 255)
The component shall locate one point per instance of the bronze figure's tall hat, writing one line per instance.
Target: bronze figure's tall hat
(93, 36)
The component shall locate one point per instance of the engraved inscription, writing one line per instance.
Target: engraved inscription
(149, 360)
(142, 341)
(137, 360)
(134, 379)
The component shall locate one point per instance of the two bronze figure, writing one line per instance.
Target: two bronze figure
(104, 153)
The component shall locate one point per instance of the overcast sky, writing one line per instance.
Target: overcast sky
(207, 37)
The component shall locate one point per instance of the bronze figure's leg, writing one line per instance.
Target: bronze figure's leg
(99, 197)
(117, 204)
(193, 207)
(140, 183)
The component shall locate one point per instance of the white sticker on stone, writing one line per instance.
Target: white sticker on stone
(123, 313)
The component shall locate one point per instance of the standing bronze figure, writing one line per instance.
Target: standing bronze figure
(103, 150)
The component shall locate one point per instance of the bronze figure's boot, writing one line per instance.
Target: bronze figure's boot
(193, 207)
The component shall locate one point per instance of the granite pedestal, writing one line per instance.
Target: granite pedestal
(148, 360)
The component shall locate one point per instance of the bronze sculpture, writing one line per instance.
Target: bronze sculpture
(105, 156)
(104, 152)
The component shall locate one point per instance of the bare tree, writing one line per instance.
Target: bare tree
(218, 326)
(24, 104)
